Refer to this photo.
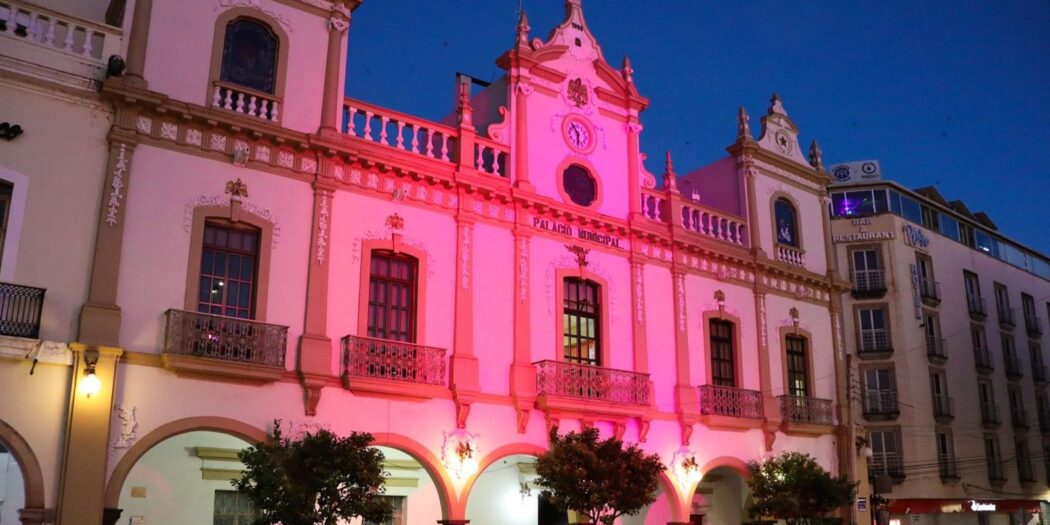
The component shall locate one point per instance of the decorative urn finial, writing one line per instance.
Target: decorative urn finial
(670, 181)
(814, 156)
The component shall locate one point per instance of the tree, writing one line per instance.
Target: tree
(598, 479)
(318, 479)
(795, 488)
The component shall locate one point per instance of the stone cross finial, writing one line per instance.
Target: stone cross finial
(815, 156)
(670, 181)
(627, 71)
(743, 124)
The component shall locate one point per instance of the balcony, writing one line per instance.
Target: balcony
(229, 348)
(1019, 419)
(891, 464)
(1006, 317)
(880, 405)
(1033, 324)
(977, 307)
(246, 101)
(996, 473)
(381, 366)
(930, 291)
(943, 409)
(936, 350)
(983, 359)
(728, 407)
(580, 389)
(805, 415)
(1013, 367)
(868, 284)
(1039, 374)
(948, 467)
(875, 344)
(20, 308)
(78, 49)
(990, 416)
(791, 255)
(1025, 472)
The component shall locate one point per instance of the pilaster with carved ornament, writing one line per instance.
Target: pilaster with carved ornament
(464, 373)
(522, 374)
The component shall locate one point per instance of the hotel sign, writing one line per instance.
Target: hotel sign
(862, 233)
(583, 234)
(914, 236)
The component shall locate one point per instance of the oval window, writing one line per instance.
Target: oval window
(579, 185)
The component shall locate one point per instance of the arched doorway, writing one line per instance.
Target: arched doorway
(721, 497)
(21, 480)
(12, 486)
(505, 492)
(410, 488)
(186, 478)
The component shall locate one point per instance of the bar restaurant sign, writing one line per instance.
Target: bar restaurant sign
(862, 233)
(570, 230)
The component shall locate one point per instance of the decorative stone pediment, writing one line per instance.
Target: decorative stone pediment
(780, 134)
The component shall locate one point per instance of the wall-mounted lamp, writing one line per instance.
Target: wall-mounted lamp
(460, 453)
(863, 448)
(9, 131)
(793, 312)
(685, 467)
(720, 298)
(90, 383)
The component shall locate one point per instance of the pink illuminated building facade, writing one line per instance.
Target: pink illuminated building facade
(268, 249)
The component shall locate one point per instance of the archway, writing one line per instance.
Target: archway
(21, 480)
(721, 496)
(417, 483)
(505, 492)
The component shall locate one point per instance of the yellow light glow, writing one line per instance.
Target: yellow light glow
(91, 384)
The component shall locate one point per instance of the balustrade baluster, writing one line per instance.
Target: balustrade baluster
(479, 162)
(264, 105)
(240, 103)
(368, 125)
(495, 162)
(49, 38)
(228, 101)
(251, 106)
(400, 134)
(430, 142)
(10, 22)
(273, 112)
(68, 43)
(415, 137)
(351, 112)
(31, 27)
(217, 97)
(382, 130)
(89, 44)
(444, 147)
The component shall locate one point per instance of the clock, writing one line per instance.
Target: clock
(578, 134)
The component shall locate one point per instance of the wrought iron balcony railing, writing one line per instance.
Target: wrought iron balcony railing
(983, 359)
(1033, 324)
(868, 281)
(948, 467)
(1013, 367)
(875, 342)
(936, 350)
(930, 290)
(393, 360)
(880, 403)
(728, 401)
(225, 338)
(1025, 472)
(891, 464)
(1019, 418)
(797, 409)
(996, 473)
(20, 308)
(1039, 373)
(990, 415)
(977, 307)
(559, 378)
(943, 408)
(1006, 316)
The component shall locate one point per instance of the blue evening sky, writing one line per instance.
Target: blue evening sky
(952, 94)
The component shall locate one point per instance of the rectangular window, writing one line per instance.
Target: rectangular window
(233, 508)
(946, 454)
(880, 391)
(798, 368)
(972, 284)
(929, 219)
(581, 318)
(867, 273)
(966, 235)
(993, 458)
(399, 517)
(886, 453)
(723, 368)
(942, 404)
(229, 256)
(1024, 460)
(1002, 304)
(874, 330)
(392, 297)
(927, 283)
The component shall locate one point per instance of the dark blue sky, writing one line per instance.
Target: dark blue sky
(954, 94)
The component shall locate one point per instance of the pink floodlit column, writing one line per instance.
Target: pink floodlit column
(641, 356)
(523, 374)
(136, 63)
(331, 100)
(315, 346)
(521, 136)
(685, 395)
(769, 403)
(464, 364)
(634, 187)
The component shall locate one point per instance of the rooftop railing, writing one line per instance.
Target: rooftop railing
(20, 308)
(399, 131)
(225, 338)
(559, 378)
(393, 360)
(72, 36)
(713, 223)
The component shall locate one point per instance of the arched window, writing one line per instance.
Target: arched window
(581, 315)
(392, 296)
(228, 269)
(249, 55)
(786, 218)
(723, 366)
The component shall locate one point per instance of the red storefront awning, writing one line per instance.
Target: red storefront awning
(928, 506)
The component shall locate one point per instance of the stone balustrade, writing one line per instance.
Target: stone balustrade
(87, 40)
(232, 97)
(398, 130)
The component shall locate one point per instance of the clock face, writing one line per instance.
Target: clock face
(578, 134)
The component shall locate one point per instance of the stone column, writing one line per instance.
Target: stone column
(332, 97)
(522, 374)
(685, 395)
(634, 160)
(522, 90)
(136, 62)
(315, 347)
(83, 485)
(464, 376)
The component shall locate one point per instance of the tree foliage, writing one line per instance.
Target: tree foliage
(795, 488)
(597, 478)
(318, 479)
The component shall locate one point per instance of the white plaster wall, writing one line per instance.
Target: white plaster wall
(56, 198)
(179, 54)
(155, 253)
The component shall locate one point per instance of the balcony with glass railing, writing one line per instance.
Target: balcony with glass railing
(384, 366)
(868, 283)
(20, 308)
(198, 344)
(880, 405)
(874, 344)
